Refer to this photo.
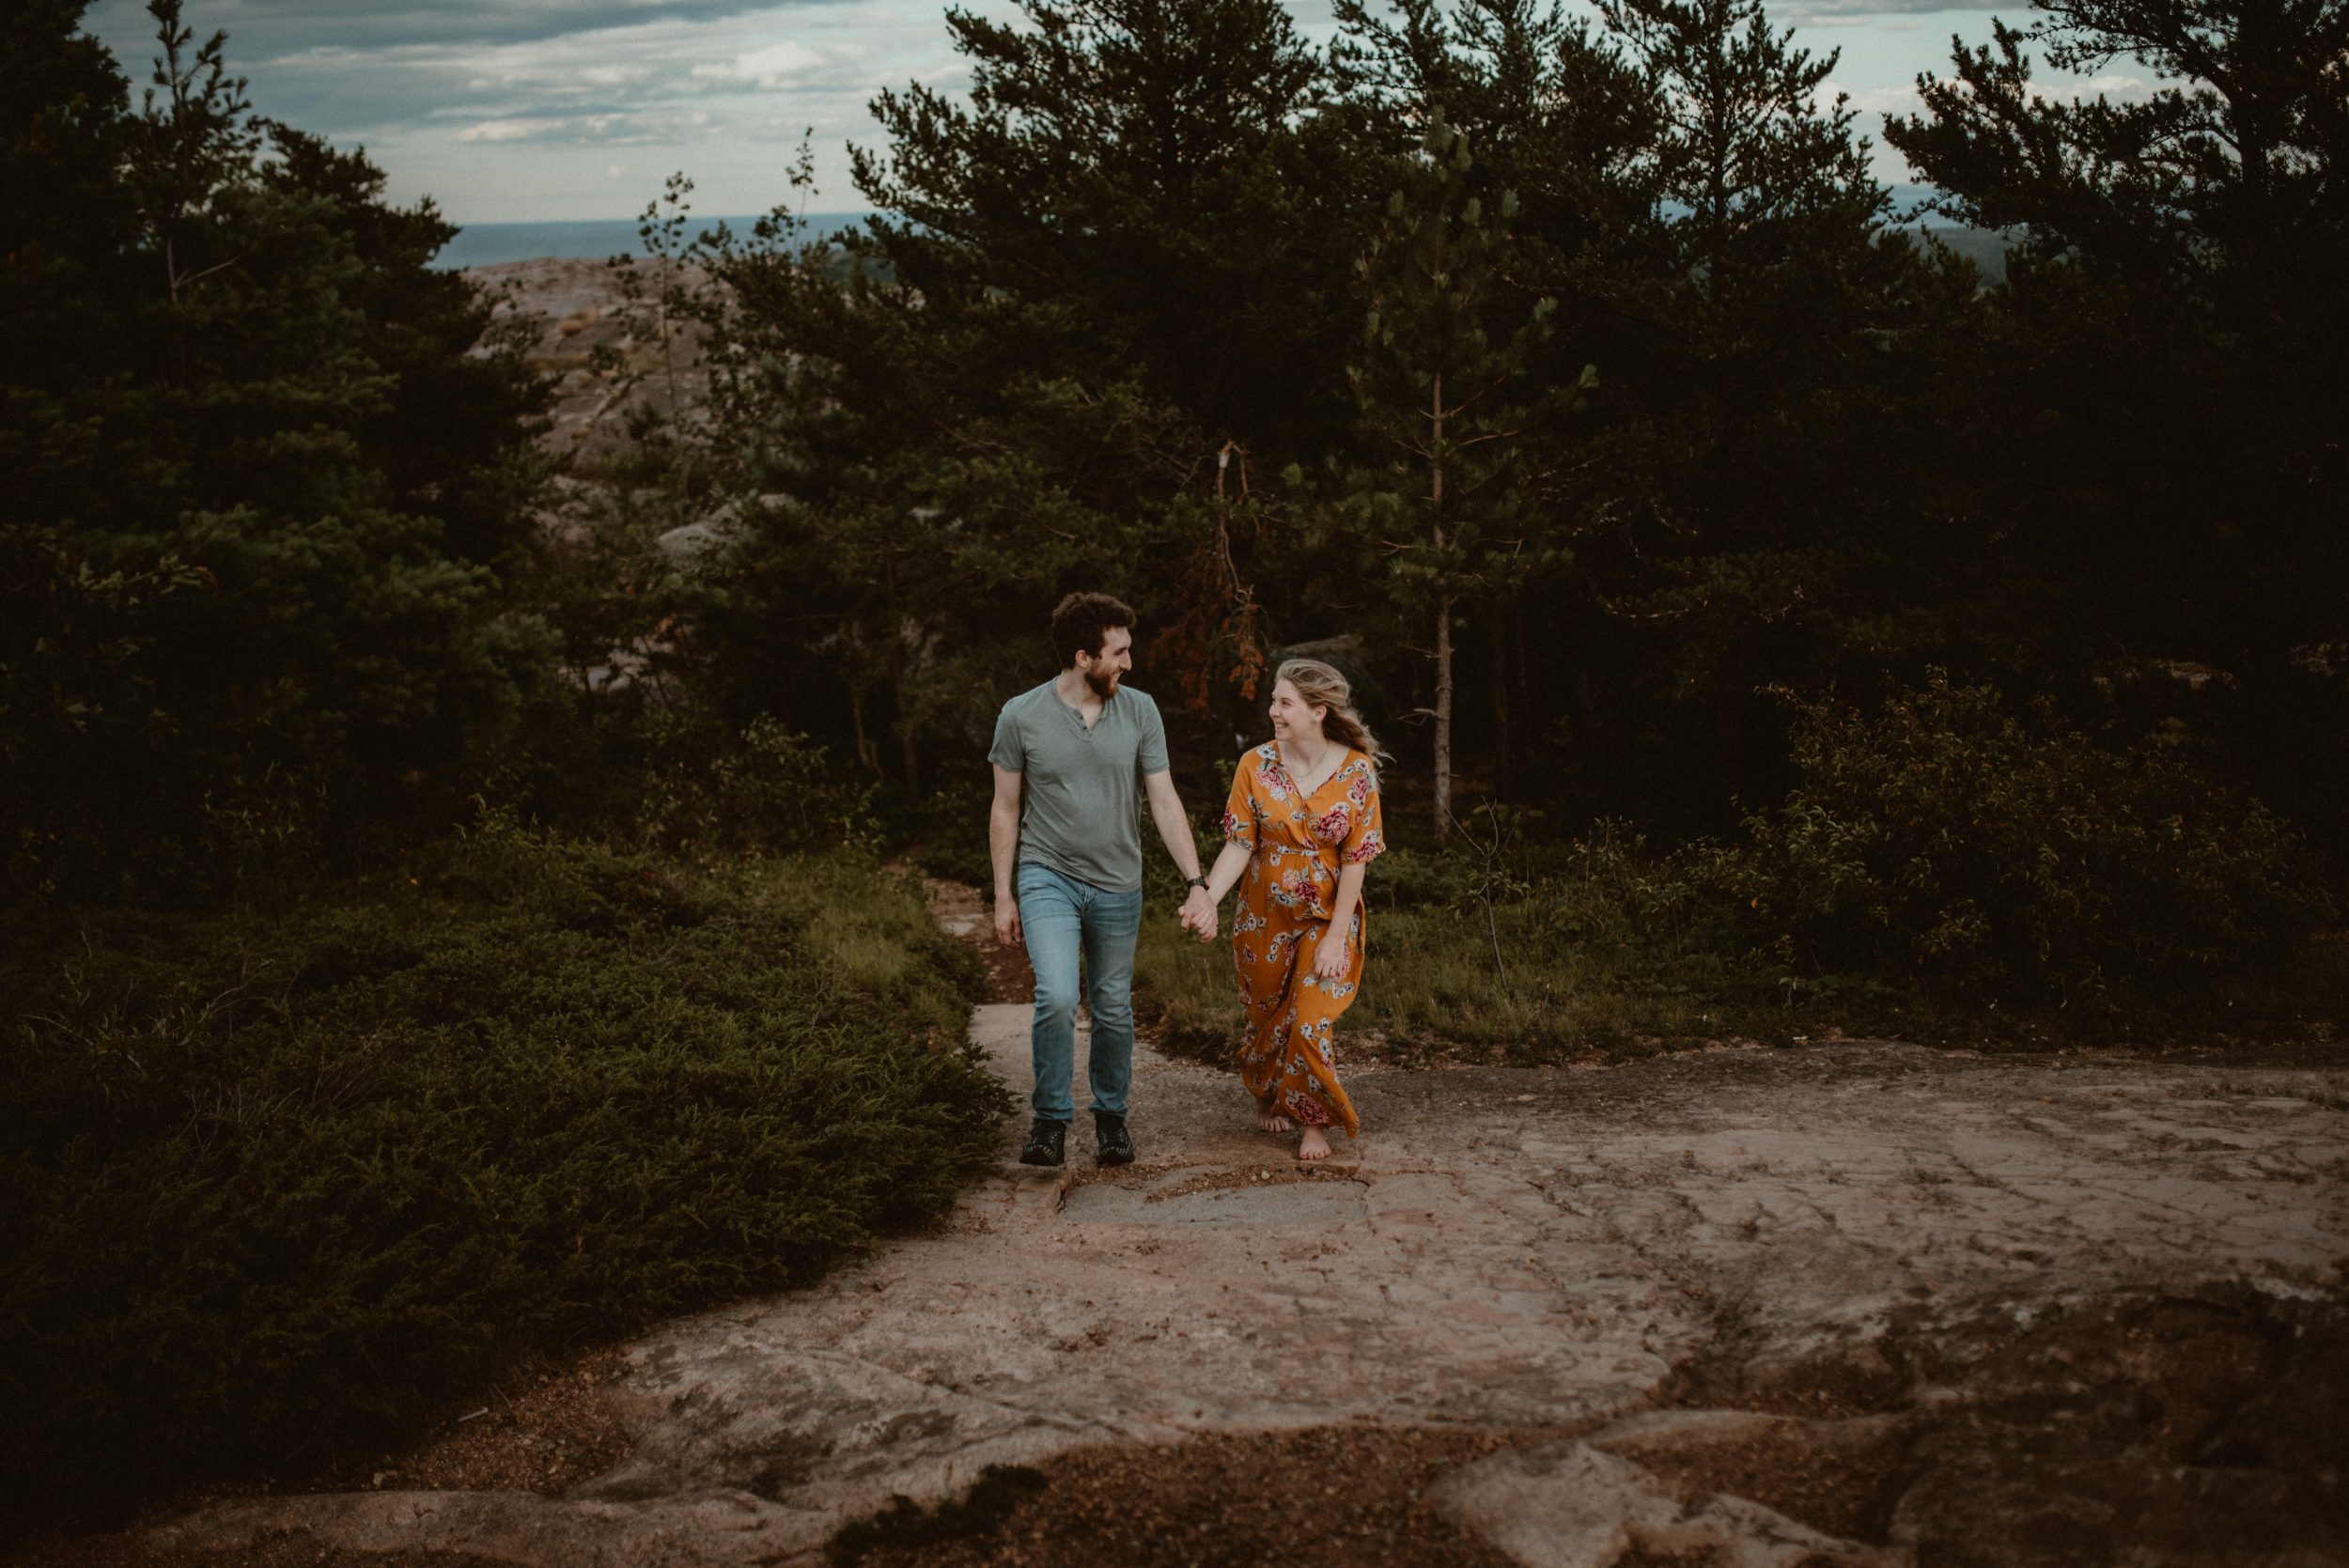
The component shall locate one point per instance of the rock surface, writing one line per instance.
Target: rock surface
(611, 356)
(1770, 1306)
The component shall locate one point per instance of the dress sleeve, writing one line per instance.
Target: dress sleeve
(1239, 808)
(1366, 840)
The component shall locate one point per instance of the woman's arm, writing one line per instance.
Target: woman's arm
(1330, 952)
(1226, 870)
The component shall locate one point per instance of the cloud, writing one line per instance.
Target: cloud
(259, 28)
(508, 130)
(776, 66)
(1833, 12)
(2111, 84)
(1876, 100)
(640, 129)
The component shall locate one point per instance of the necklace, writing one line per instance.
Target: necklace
(1319, 773)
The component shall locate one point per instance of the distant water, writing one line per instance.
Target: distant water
(488, 245)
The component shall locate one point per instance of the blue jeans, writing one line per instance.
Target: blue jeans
(1063, 918)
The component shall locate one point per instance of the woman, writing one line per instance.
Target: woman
(1303, 824)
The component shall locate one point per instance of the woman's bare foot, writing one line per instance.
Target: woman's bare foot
(1271, 1119)
(1313, 1145)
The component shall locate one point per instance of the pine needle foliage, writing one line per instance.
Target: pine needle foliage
(1449, 407)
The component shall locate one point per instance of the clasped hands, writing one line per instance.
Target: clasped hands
(1199, 916)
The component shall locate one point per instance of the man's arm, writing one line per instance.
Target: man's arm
(1002, 844)
(1166, 810)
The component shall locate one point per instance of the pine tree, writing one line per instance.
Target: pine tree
(1755, 178)
(1449, 408)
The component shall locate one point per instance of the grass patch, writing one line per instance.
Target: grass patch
(1431, 989)
(282, 1184)
(1612, 953)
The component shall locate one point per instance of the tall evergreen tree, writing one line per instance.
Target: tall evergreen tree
(1560, 118)
(1449, 408)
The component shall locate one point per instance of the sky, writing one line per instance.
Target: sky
(546, 110)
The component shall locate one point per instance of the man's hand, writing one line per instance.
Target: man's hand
(1199, 914)
(1007, 920)
(1330, 956)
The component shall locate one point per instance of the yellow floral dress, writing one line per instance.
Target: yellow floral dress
(1296, 846)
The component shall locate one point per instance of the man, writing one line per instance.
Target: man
(1069, 861)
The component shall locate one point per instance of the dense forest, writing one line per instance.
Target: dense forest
(1578, 378)
(1770, 617)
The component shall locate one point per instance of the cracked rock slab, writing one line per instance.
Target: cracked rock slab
(1509, 1249)
(1573, 1505)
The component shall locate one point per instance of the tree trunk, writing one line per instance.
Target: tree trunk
(1443, 715)
(1443, 606)
(909, 753)
(1593, 769)
(1729, 724)
(867, 754)
(1499, 656)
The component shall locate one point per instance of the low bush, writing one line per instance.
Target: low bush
(290, 1181)
(947, 828)
(1945, 841)
(707, 789)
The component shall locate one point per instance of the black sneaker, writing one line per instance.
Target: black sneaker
(1046, 1143)
(1111, 1143)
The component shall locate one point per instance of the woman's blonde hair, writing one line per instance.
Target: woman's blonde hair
(1319, 685)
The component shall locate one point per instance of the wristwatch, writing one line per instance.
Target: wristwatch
(1196, 882)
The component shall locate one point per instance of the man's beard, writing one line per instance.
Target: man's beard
(1104, 683)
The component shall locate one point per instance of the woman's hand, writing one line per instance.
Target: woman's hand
(1330, 956)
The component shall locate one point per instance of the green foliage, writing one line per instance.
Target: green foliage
(2155, 407)
(1149, 191)
(257, 479)
(1587, 973)
(767, 789)
(289, 1181)
(1448, 408)
(1947, 840)
(947, 827)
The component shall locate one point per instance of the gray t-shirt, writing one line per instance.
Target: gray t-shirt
(1080, 798)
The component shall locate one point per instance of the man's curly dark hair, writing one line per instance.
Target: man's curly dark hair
(1081, 622)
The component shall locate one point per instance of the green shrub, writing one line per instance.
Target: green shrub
(1946, 840)
(294, 1181)
(766, 788)
(948, 828)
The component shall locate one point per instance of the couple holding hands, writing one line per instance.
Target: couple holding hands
(1074, 759)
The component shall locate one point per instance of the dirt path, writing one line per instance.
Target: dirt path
(1856, 1304)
